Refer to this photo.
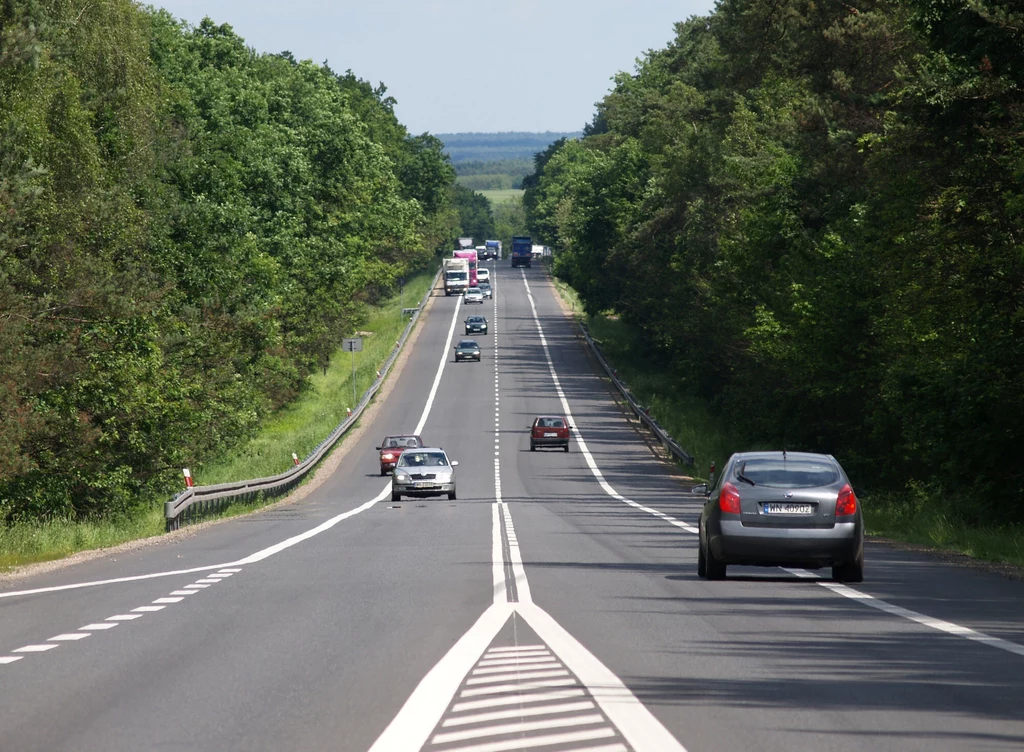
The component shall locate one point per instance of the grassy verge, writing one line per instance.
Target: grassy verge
(298, 428)
(499, 197)
(921, 516)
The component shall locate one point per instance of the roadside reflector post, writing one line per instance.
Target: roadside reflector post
(295, 458)
(349, 409)
(188, 477)
(711, 475)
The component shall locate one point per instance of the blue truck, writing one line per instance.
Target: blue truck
(522, 251)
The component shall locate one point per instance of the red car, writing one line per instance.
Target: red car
(550, 431)
(392, 447)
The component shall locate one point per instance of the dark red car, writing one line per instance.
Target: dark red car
(392, 447)
(550, 431)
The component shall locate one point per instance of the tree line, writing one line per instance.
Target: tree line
(187, 230)
(814, 214)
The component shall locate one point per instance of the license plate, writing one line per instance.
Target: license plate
(550, 434)
(788, 508)
(422, 484)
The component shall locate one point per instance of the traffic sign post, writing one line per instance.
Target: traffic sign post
(353, 345)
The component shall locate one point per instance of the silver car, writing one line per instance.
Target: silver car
(473, 295)
(789, 509)
(423, 471)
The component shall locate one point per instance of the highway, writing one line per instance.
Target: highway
(553, 606)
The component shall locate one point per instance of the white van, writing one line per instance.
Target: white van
(483, 275)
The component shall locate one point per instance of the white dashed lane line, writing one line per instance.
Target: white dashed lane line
(176, 596)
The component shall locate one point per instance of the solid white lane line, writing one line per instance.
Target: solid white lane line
(497, 568)
(5, 659)
(521, 727)
(547, 740)
(440, 370)
(35, 648)
(124, 617)
(501, 689)
(514, 676)
(412, 726)
(497, 702)
(600, 748)
(93, 627)
(500, 715)
(169, 600)
(113, 581)
(928, 621)
(148, 609)
(69, 637)
(844, 590)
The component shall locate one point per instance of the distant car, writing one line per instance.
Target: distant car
(424, 471)
(391, 449)
(485, 288)
(483, 275)
(476, 325)
(550, 431)
(473, 295)
(467, 349)
(781, 509)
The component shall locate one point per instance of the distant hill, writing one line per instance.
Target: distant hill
(494, 147)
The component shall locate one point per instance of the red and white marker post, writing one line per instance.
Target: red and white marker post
(188, 477)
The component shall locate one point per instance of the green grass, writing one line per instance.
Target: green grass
(298, 427)
(922, 516)
(500, 197)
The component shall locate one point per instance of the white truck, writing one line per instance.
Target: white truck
(456, 276)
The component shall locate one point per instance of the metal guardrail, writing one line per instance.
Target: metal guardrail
(670, 444)
(198, 501)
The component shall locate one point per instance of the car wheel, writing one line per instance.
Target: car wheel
(713, 568)
(702, 563)
(533, 447)
(396, 496)
(851, 571)
(383, 471)
(566, 447)
(451, 496)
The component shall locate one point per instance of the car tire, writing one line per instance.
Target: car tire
(702, 563)
(383, 471)
(566, 447)
(713, 568)
(396, 496)
(451, 496)
(533, 447)
(851, 571)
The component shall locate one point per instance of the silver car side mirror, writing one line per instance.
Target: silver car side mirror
(454, 463)
(700, 490)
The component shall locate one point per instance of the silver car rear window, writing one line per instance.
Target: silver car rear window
(422, 459)
(787, 474)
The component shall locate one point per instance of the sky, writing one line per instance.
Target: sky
(459, 66)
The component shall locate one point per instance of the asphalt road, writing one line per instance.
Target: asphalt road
(554, 605)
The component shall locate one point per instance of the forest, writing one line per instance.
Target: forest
(187, 230)
(814, 214)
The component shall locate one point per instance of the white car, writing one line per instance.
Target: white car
(483, 275)
(473, 295)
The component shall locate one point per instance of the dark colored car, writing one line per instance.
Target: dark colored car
(550, 431)
(476, 325)
(467, 349)
(485, 288)
(781, 509)
(423, 472)
(392, 447)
